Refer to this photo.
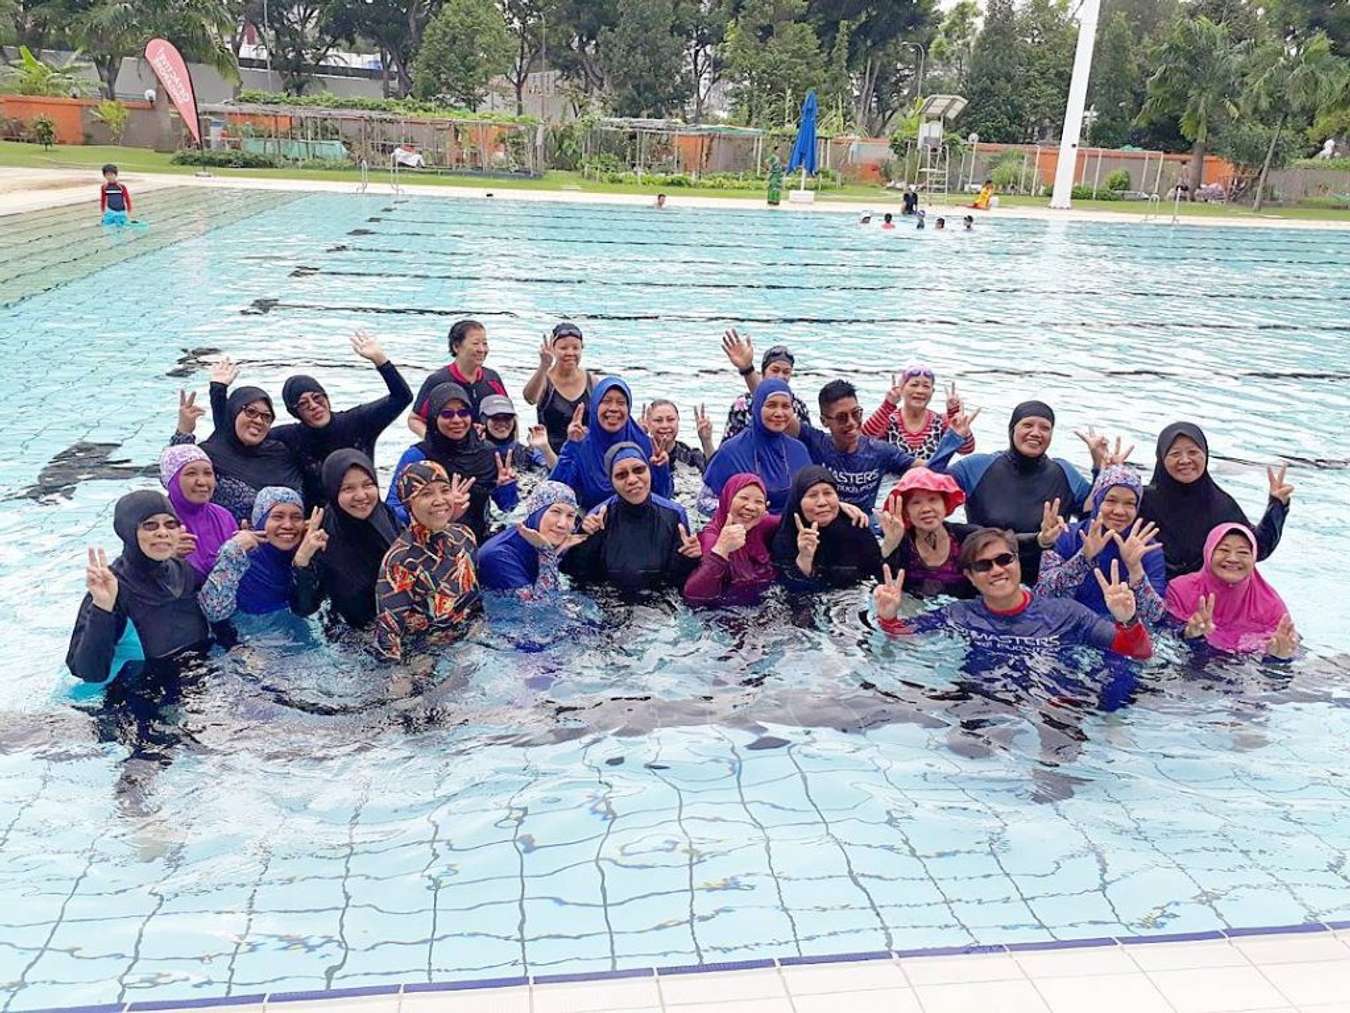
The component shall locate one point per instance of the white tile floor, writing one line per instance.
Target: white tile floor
(1278, 973)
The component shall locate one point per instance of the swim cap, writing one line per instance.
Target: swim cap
(1031, 410)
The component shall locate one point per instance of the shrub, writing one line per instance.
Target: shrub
(1085, 193)
(225, 158)
(43, 131)
(1007, 171)
(113, 115)
(402, 106)
(1118, 180)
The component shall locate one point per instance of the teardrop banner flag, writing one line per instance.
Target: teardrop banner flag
(172, 72)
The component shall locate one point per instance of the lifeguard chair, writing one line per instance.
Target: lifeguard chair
(934, 152)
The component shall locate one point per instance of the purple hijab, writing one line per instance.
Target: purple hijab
(213, 525)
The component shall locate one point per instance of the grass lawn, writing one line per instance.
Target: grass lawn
(90, 157)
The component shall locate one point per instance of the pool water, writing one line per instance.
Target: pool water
(602, 785)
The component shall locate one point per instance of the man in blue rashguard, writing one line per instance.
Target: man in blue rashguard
(857, 462)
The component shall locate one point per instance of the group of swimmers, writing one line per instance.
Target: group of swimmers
(261, 518)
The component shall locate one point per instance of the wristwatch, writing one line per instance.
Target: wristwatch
(746, 370)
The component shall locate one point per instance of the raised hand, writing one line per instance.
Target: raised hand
(1095, 538)
(1279, 488)
(954, 400)
(368, 348)
(188, 412)
(1117, 455)
(315, 540)
(545, 354)
(660, 455)
(505, 473)
(730, 539)
(1136, 545)
(224, 371)
(888, 595)
(247, 539)
(537, 437)
(1284, 644)
(187, 544)
(738, 349)
(594, 521)
(577, 429)
(961, 422)
(690, 547)
(459, 495)
(1096, 444)
(897, 392)
(892, 529)
(1052, 525)
(808, 541)
(1201, 622)
(702, 424)
(100, 581)
(1117, 594)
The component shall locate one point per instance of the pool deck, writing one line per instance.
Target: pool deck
(1292, 969)
(31, 189)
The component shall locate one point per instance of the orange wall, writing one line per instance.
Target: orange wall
(67, 114)
(1216, 169)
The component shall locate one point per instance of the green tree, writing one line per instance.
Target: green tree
(773, 57)
(1292, 82)
(299, 35)
(464, 47)
(395, 28)
(952, 47)
(573, 32)
(1048, 37)
(997, 109)
(644, 61)
(527, 21)
(703, 26)
(1199, 69)
(1116, 91)
(836, 93)
(31, 76)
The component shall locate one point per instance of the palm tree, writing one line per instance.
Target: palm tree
(31, 76)
(1301, 79)
(1197, 80)
(112, 29)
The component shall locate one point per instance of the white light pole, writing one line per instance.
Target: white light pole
(1061, 197)
(918, 91)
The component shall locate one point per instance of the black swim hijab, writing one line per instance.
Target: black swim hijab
(269, 463)
(1031, 410)
(297, 387)
(160, 597)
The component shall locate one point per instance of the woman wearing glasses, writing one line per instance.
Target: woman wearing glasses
(559, 384)
(905, 419)
(242, 451)
(453, 442)
(1006, 613)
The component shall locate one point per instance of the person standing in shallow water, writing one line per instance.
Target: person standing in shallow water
(778, 364)
(190, 481)
(468, 341)
(905, 419)
(1187, 504)
(559, 385)
(581, 464)
(148, 586)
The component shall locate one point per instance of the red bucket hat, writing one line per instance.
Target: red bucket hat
(920, 479)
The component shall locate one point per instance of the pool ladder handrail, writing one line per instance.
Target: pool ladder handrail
(393, 175)
(362, 186)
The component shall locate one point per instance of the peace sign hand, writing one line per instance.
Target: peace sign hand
(368, 348)
(1118, 456)
(224, 371)
(594, 521)
(1052, 525)
(1136, 545)
(954, 400)
(808, 541)
(247, 539)
(888, 595)
(188, 412)
(1201, 622)
(1279, 488)
(459, 495)
(1118, 596)
(739, 350)
(100, 581)
(660, 455)
(690, 547)
(315, 540)
(1284, 644)
(961, 422)
(506, 475)
(702, 424)
(897, 392)
(1096, 444)
(1095, 538)
(545, 354)
(892, 528)
(577, 429)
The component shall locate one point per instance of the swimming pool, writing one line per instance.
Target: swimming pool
(613, 787)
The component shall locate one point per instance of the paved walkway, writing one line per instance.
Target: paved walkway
(27, 189)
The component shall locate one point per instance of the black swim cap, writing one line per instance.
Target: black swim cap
(1031, 410)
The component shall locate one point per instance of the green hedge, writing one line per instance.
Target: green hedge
(402, 106)
(226, 158)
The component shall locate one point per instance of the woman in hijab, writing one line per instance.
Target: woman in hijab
(581, 463)
(427, 587)
(919, 539)
(1228, 603)
(1009, 490)
(254, 572)
(637, 540)
(359, 528)
(190, 480)
(147, 586)
(1186, 503)
(319, 430)
(525, 559)
(452, 441)
(764, 449)
(244, 455)
(1112, 533)
(736, 565)
(817, 547)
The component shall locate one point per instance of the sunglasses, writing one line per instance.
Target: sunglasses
(914, 374)
(258, 415)
(456, 413)
(779, 353)
(985, 565)
(856, 415)
(566, 331)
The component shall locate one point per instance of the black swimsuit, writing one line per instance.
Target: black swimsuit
(555, 411)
